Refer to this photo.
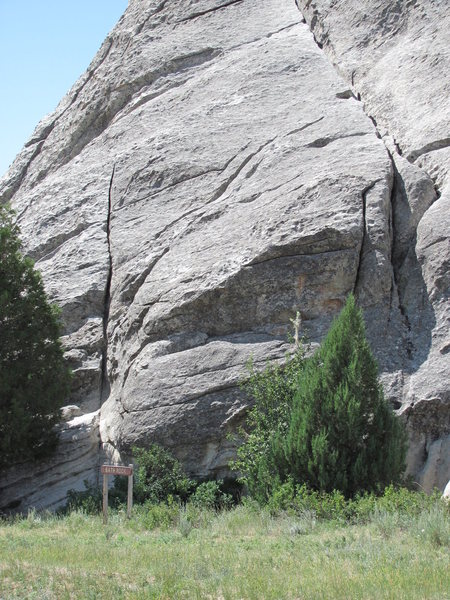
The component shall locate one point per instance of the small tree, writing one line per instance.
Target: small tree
(271, 391)
(34, 379)
(343, 434)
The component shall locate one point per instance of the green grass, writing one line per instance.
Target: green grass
(243, 553)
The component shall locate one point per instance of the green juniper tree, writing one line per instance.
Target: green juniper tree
(342, 434)
(34, 378)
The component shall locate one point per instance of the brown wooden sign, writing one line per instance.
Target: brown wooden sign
(116, 470)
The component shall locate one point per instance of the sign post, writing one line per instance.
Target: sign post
(107, 470)
(105, 498)
(130, 493)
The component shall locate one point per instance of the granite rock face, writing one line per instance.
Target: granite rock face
(211, 174)
(45, 485)
(396, 56)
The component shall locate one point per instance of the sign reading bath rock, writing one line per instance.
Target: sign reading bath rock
(107, 470)
(116, 470)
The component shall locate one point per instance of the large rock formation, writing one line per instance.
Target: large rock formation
(211, 174)
(395, 54)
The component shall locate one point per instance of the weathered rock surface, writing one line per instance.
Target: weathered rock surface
(396, 56)
(210, 175)
(45, 485)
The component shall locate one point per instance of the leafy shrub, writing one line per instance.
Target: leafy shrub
(395, 506)
(157, 476)
(159, 485)
(271, 392)
(400, 499)
(282, 498)
(162, 515)
(299, 499)
(88, 500)
(210, 495)
(332, 506)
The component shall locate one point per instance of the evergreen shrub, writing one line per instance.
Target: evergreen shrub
(34, 377)
(343, 434)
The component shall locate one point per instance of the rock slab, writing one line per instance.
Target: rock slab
(396, 57)
(211, 174)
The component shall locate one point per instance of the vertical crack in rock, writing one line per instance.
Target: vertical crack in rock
(396, 264)
(367, 189)
(413, 155)
(104, 386)
(364, 233)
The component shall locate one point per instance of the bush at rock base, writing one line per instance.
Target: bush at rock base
(271, 392)
(158, 480)
(322, 421)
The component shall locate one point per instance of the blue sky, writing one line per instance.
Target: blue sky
(45, 45)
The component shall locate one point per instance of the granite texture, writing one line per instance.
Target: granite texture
(215, 170)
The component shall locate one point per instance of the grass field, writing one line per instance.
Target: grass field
(241, 553)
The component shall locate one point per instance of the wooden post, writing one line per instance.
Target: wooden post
(130, 493)
(105, 498)
(116, 470)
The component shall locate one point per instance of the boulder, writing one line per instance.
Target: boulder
(69, 412)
